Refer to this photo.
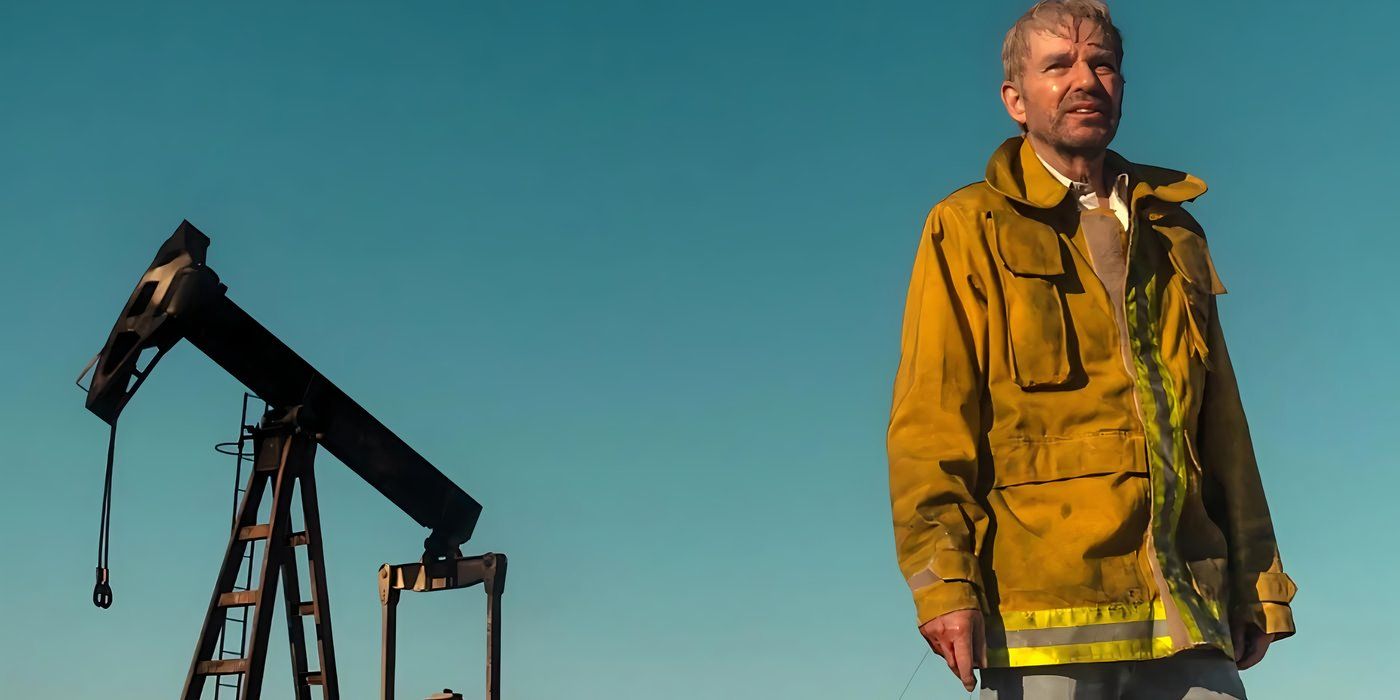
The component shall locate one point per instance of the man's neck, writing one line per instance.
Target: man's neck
(1077, 166)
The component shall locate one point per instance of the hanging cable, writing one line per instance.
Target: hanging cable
(102, 590)
(922, 659)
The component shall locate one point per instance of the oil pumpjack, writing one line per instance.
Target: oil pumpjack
(180, 297)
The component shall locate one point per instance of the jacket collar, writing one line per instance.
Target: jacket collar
(1016, 172)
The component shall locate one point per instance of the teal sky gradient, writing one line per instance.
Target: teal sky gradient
(631, 273)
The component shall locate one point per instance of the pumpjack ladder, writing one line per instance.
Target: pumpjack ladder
(282, 458)
(233, 637)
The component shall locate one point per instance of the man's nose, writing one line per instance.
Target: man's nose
(1082, 76)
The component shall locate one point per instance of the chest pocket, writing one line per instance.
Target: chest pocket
(1037, 334)
(1196, 278)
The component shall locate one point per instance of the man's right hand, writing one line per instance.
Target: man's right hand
(956, 636)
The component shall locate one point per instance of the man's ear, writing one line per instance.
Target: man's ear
(1014, 103)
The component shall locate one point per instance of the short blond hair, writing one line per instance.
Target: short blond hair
(1051, 16)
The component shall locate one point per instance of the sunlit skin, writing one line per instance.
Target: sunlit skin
(1070, 99)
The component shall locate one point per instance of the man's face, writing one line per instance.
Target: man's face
(1070, 93)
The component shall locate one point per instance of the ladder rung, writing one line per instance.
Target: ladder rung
(306, 609)
(221, 667)
(298, 539)
(314, 678)
(254, 532)
(236, 599)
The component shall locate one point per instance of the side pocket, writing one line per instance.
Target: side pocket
(1037, 334)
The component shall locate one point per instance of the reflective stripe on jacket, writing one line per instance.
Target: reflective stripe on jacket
(1093, 512)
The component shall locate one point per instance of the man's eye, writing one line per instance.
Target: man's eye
(1107, 68)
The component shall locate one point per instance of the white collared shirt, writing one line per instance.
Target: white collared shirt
(1084, 194)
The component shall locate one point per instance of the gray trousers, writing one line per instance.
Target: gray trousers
(1197, 674)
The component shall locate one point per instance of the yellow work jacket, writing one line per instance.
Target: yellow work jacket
(1092, 510)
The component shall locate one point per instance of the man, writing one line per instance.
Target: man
(1076, 504)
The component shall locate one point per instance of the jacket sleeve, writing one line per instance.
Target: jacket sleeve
(935, 426)
(1261, 591)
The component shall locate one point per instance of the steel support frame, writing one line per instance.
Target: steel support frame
(283, 459)
(451, 574)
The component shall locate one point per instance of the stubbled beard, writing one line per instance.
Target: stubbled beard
(1057, 137)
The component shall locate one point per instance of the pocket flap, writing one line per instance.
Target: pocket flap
(1024, 460)
(1027, 247)
(1191, 258)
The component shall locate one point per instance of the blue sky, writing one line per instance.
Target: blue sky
(631, 274)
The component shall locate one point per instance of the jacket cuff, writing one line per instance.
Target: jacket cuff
(1265, 602)
(1273, 618)
(1265, 587)
(952, 581)
(946, 597)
